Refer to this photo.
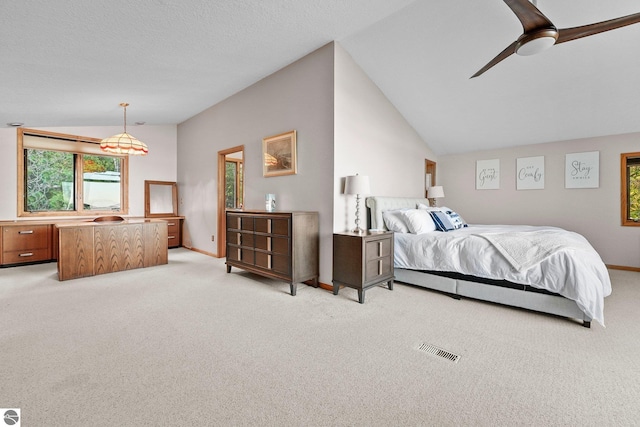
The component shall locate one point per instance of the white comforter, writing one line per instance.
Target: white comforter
(557, 260)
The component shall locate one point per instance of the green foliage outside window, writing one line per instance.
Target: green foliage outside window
(634, 192)
(233, 185)
(230, 185)
(50, 178)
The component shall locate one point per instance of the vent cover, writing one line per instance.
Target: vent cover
(436, 351)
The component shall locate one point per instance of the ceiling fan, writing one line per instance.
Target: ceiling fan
(540, 33)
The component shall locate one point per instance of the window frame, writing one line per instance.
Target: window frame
(624, 188)
(78, 181)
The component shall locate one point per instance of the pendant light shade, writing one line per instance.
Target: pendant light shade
(123, 143)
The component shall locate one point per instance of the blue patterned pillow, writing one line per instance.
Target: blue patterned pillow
(456, 219)
(447, 220)
(442, 221)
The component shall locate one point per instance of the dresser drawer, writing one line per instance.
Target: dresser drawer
(377, 269)
(32, 255)
(377, 248)
(25, 237)
(173, 233)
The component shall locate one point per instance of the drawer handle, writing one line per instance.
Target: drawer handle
(26, 254)
(379, 248)
(379, 267)
(171, 223)
(171, 237)
(25, 232)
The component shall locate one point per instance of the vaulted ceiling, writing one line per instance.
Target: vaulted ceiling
(71, 63)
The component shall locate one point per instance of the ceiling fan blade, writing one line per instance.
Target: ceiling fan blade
(510, 50)
(568, 34)
(529, 15)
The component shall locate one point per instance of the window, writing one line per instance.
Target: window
(630, 188)
(62, 174)
(233, 183)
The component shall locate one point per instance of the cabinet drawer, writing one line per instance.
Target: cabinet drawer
(378, 268)
(241, 254)
(25, 238)
(240, 239)
(276, 263)
(275, 226)
(15, 257)
(377, 249)
(173, 233)
(278, 245)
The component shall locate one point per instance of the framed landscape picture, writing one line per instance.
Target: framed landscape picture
(279, 154)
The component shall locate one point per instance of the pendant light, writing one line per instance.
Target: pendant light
(123, 143)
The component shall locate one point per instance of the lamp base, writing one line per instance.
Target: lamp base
(358, 230)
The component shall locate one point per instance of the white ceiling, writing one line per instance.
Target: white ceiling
(70, 63)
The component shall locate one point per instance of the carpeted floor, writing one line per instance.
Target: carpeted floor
(188, 344)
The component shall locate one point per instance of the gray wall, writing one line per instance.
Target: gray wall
(300, 97)
(371, 138)
(594, 213)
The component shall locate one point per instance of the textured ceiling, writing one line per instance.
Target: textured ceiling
(70, 63)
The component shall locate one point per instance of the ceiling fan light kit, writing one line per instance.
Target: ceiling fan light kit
(540, 33)
(535, 43)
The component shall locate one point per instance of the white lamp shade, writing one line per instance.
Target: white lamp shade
(435, 192)
(357, 184)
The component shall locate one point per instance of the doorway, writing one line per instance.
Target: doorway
(230, 189)
(429, 175)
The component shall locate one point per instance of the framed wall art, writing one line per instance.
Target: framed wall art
(279, 154)
(530, 173)
(488, 174)
(582, 170)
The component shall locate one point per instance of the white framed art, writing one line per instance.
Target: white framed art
(582, 170)
(530, 173)
(488, 174)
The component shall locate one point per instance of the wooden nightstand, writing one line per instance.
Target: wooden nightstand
(361, 261)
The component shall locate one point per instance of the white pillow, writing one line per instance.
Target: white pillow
(394, 220)
(433, 208)
(419, 221)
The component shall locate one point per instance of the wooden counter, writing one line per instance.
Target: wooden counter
(89, 248)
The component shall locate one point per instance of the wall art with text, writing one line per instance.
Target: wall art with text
(582, 170)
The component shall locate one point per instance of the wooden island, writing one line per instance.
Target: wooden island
(88, 248)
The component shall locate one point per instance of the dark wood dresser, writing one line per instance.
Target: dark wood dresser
(361, 261)
(280, 245)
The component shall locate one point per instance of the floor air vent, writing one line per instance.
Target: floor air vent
(432, 349)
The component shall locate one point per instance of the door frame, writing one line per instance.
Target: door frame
(429, 167)
(222, 217)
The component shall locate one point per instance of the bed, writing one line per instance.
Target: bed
(545, 269)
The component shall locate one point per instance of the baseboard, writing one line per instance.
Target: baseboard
(622, 267)
(325, 286)
(202, 252)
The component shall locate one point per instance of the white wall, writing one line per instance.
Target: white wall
(371, 138)
(594, 213)
(300, 97)
(159, 164)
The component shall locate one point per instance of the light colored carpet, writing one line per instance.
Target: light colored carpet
(188, 344)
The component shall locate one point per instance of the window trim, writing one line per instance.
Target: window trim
(624, 189)
(80, 211)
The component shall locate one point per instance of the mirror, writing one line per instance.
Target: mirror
(160, 199)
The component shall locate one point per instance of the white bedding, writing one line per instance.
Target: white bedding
(559, 261)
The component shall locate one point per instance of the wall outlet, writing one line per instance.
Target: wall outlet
(213, 237)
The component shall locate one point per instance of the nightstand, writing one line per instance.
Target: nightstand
(361, 261)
